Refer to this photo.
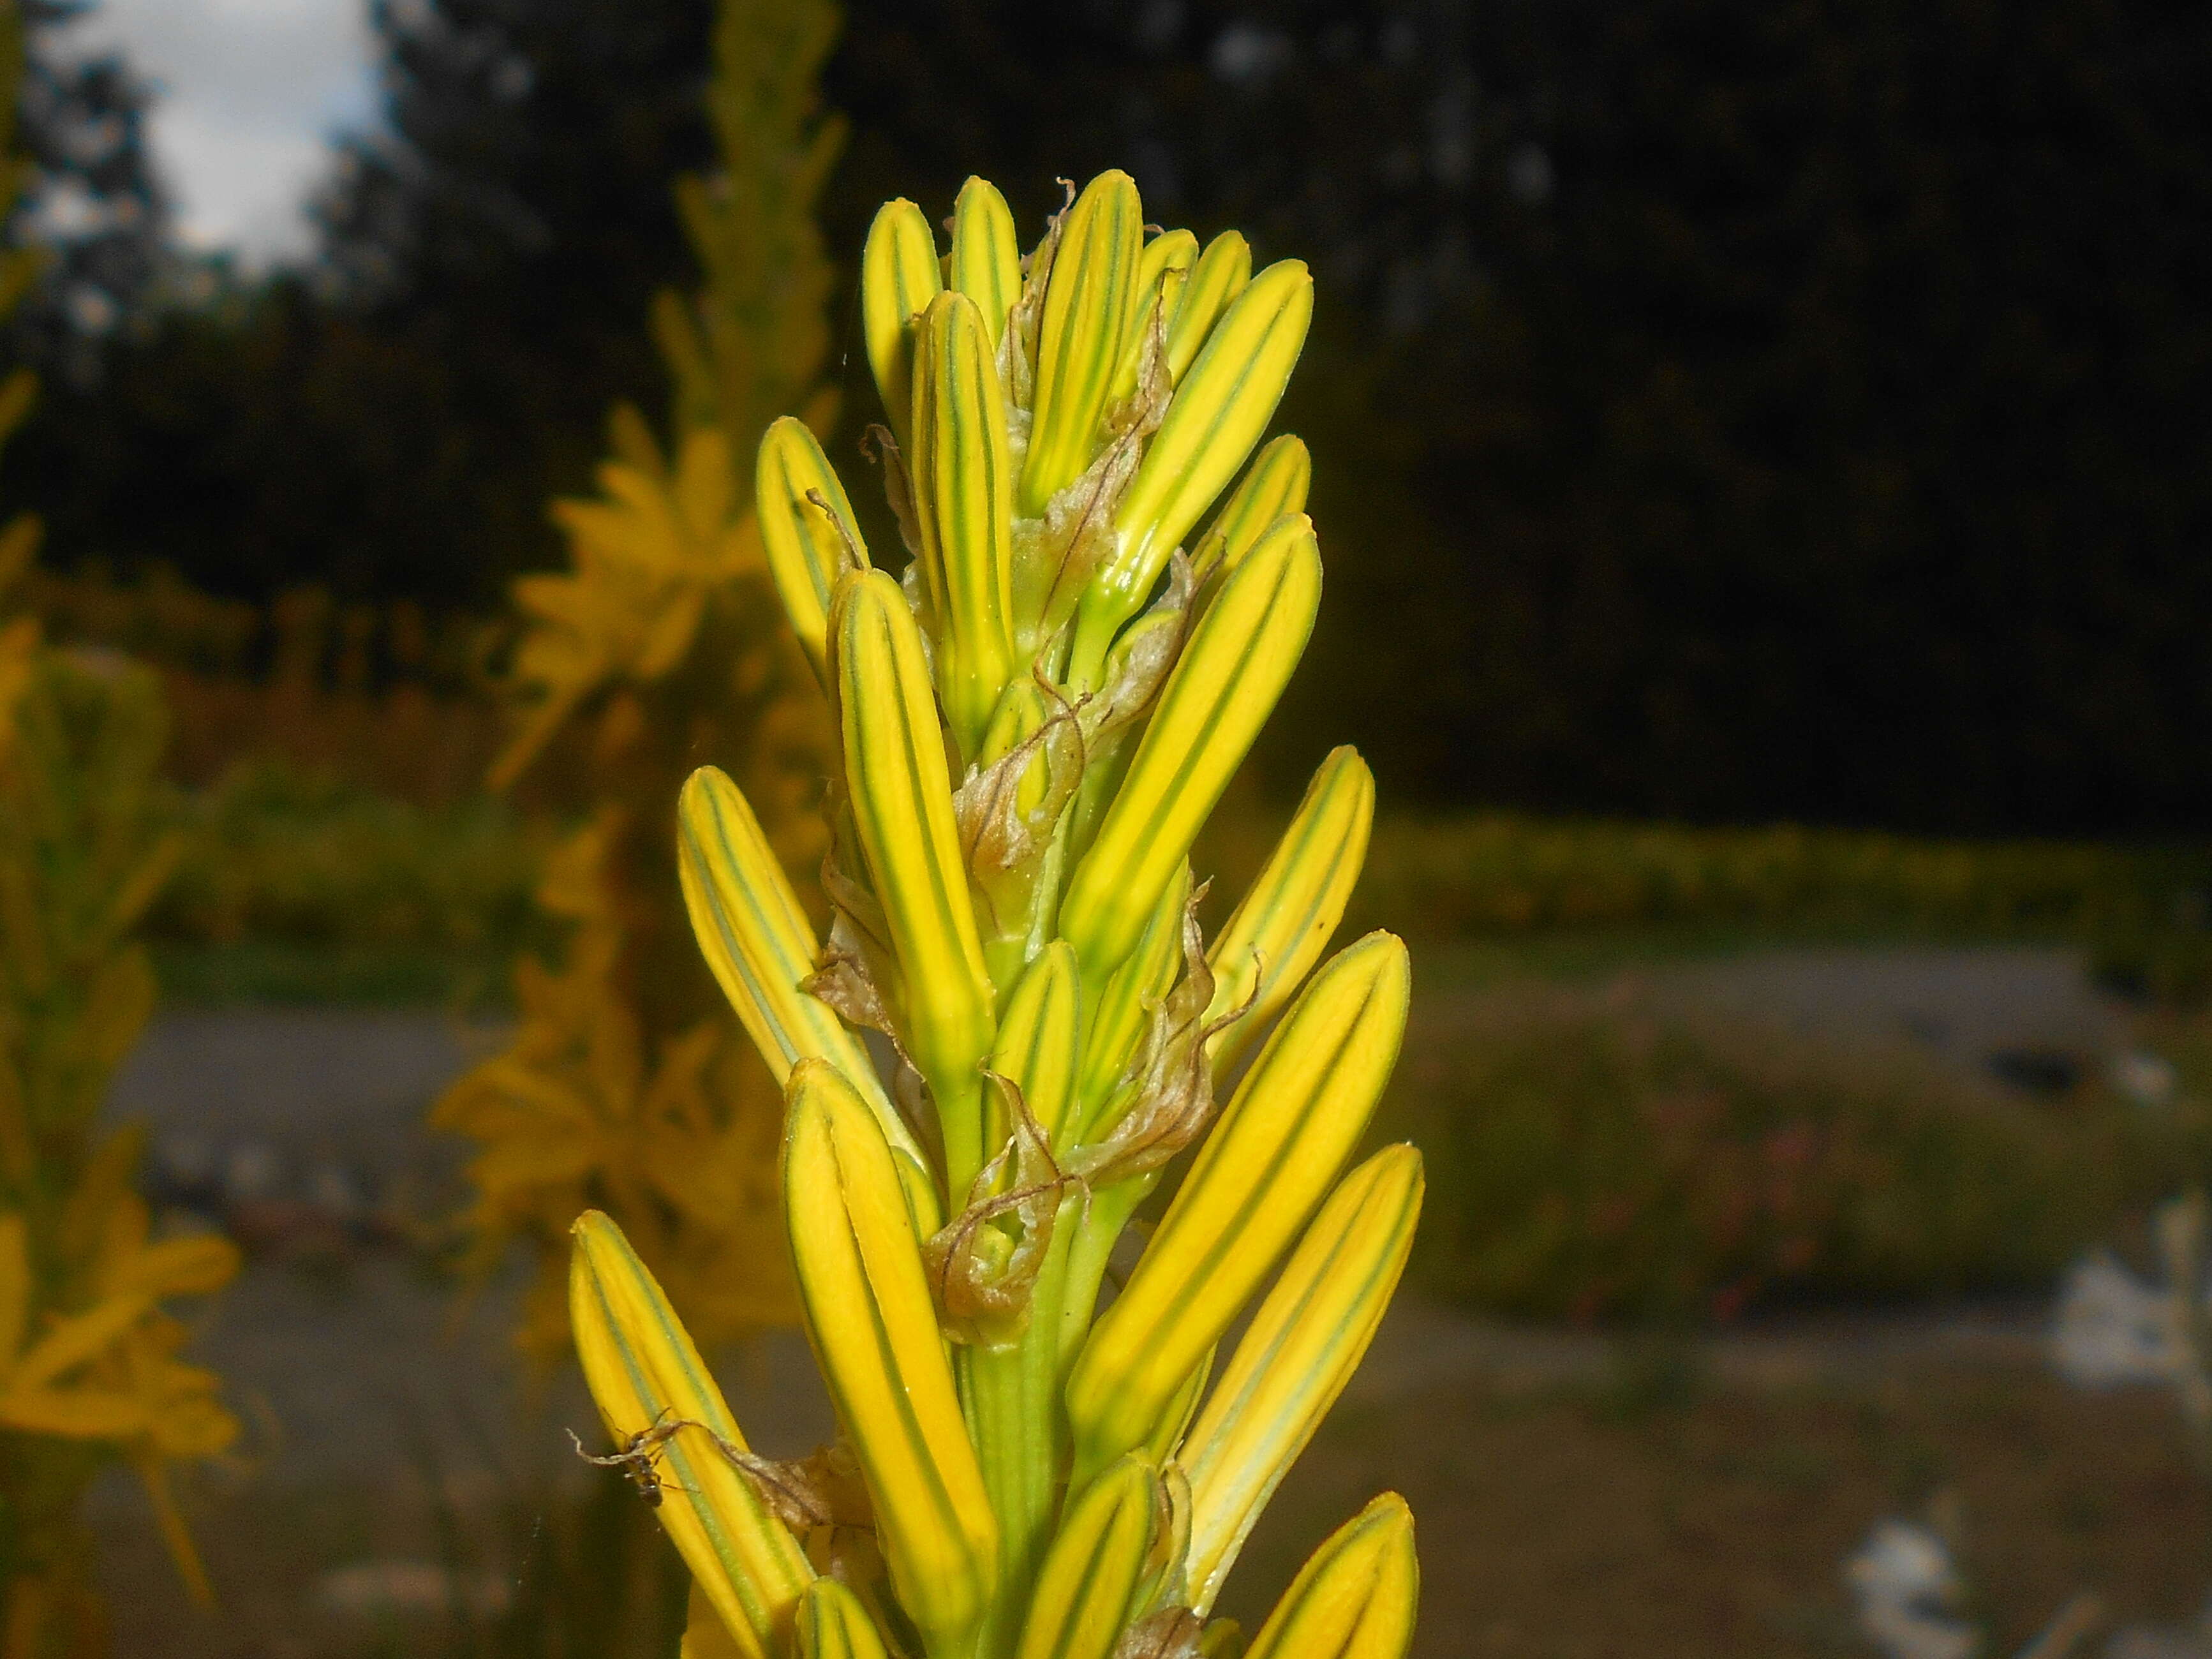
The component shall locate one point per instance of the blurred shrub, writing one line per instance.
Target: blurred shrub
(273, 852)
(386, 697)
(1598, 1152)
(1503, 872)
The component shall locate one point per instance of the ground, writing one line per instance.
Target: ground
(1577, 1493)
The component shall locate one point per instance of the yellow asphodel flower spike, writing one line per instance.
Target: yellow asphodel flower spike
(1295, 1118)
(663, 1409)
(1301, 1349)
(873, 1326)
(757, 938)
(964, 501)
(1095, 1567)
(1355, 1598)
(1212, 709)
(1035, 724)
(808, 548)
(1271, 943)
(899, 277)
(901, 798)
(833, 1625)
(986, 263)
(1089, 305)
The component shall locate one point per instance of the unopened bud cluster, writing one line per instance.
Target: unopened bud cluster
(1036, 719)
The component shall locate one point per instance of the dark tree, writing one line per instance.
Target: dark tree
(94, 203)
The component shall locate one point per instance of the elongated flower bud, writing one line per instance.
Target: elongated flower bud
(757, 938)
(1095, 1566)
(833, 1625)
(899, 277)
(902, 801)
(1355, 1598)
(1276, 483)
(1211, 707)
(1218, 413)
(1277, 934)
(1299, 1113)
(1163, 272)
(965, 506)
(1301, 1349)
(1133, 992)
(1037, 1037)
(649, 1380)
(808, 548)
(1215, 280)
(1088, 307)
(986, 263)
(873, 1327)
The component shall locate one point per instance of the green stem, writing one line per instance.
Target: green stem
(1011, 1396)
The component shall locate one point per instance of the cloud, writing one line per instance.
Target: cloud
(250, 92)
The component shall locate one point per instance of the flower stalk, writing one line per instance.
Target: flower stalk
(1033, 727)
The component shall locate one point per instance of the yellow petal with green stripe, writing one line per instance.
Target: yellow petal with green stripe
(1215, 280)
(833, 1625)
(1220, 411)
(1355, 1598)
(1301, 1349)
(902, 804)
(808, 549)
(1089, 305)
(1221, 692)
(1275, 1152)
(964, 500)
(873, 1328)
(756, 937)
(1275, 483)
(1092, 1572)
(899, 277)
(1116, 1031)
(1277, 934)
(645, 1374)
(1162, 273)
(986, 262)
(1038, 1036)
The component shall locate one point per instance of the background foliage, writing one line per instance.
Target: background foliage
(1724, 414)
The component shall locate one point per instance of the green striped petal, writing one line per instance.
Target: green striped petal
(873, 1327)
(1163, 272)
(1215, 280)
(1117, 1026)
(1277, 934)
(645, 1374)
(964, 502)
(901, 806)
(1037, 1038)
(1097, 1562)
(808, 548)
(1219, 411)
(1301, 1349)
(833, 1625)
(1277, 1148)
(1275, 483)
(756, 938)
(1089, 305)
(1221, 692)
(899, 277)
(1355, 1599)
(986, 263)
